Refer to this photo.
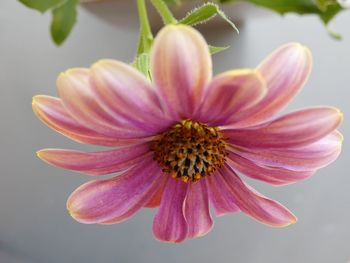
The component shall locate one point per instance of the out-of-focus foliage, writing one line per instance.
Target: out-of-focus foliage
(64, 11)
(325, 9)
(64, 16)
(42, 5)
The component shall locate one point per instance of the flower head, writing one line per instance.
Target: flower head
(183, 141)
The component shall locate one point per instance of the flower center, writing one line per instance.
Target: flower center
(190, 150)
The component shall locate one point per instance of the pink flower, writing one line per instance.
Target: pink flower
(180, 141)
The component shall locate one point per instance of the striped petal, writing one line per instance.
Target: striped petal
(271, 175)
(254, 204)
(181, 67)
(229, 93)
(83, 104)
(161, 180)
(285, 71)
(292, 130)
(51, 111)
(95, 163)
(220, 196)
(116, 199)
(128, 94)
(197, 212)
(169, 224)
(309, 157)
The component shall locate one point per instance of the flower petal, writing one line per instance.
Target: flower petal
(229, 93)
(128, 94)
(309, 157)
(157, 196)
(254, 204)
(271, 175)
(181, 67)
(285, 71)
(115, 199)
(161, 180)
(197, 212)
(220, 196)
(95, 163)
(169, 223)
(295, 129)
(82, 102)
(51, 111)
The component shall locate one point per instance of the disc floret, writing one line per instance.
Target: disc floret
(190, 150)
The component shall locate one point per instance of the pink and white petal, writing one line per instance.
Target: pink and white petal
(197, 212)
(162, 179)
(115, 199)
(220, 196)
(181, 68)
(295, 129)
(272, 175)
(254, 204)
(285, 71)
(95, 163)
(157, 196)
(127, 93)
(309, 157)
(51, 111)
(229, 93)
(82, 103)
(169, 224)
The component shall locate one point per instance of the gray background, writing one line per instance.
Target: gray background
(34, 225)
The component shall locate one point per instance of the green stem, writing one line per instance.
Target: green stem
(164, 12)
(140, 47)
(146, 36)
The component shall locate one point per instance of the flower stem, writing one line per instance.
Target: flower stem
(146, 36)
(164, 11)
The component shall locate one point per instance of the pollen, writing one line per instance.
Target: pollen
(190, 150)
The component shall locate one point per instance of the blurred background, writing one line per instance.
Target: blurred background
(34, 224)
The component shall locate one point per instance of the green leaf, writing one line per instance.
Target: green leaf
(325, 9)
(142, 63)
(214, 50)
(330, 13)
(203, 14)
(64, 18)
(42, 5)
(200, 15)
(323, 4)
(285, 6)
